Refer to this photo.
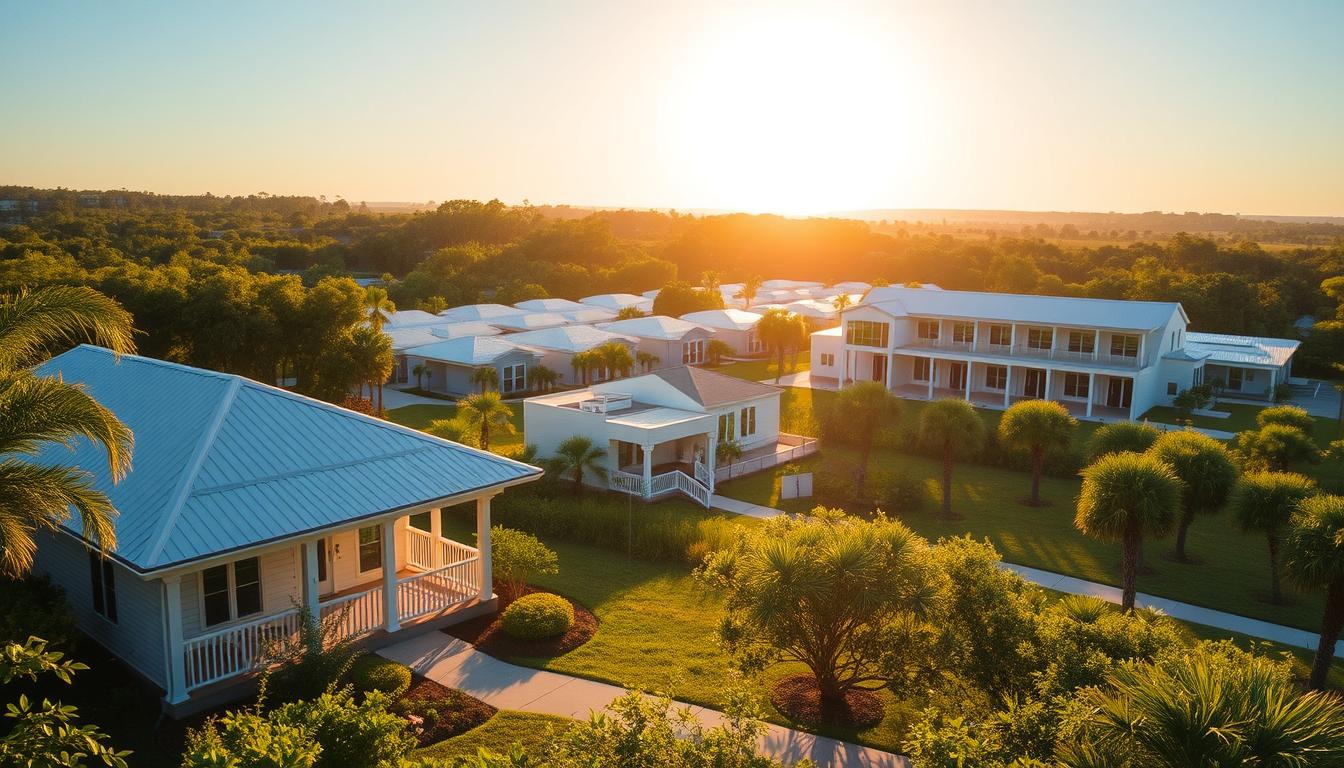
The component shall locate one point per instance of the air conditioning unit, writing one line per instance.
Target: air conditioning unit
(605, 403)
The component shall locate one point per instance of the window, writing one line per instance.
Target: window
(922, 369)
(515, 378)
(231, 591)
(693, 352)
(1040, 338)
(104, 587)
(727, 427)
(827, 359)
(963, 332)
(748, 421)
(928, 329)
(996, 377)
(1075, 384)
(370, 548)
(1171, 387)
(1082, 341)
(1001, 335)
(1124, 346)
(866, 333)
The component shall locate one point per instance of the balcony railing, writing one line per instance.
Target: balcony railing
(1022, 350)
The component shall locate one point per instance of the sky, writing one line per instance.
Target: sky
(794, 108)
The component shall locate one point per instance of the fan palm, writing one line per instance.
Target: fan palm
(1276, 446)
(861, 411)
(1314, 559)
(371, 361)
(616, 358)
(954, 430)
(1264, 502)
(647, 360)
(543, 378)
(780, 330)
(1125, 497)
(717, 349)
(1207, 475)
(485, 413)
(35, 411)
(1037, 426)
(1121, 436)
(578, 454)
(376, 303)
(420, 371)
(486, 378)
(842, 302)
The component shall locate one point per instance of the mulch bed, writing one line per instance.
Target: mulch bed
(485, 633)
(798, 698)
(443, 712)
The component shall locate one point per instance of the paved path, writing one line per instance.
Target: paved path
(395, 398)
(457, 664)
(1264, 630)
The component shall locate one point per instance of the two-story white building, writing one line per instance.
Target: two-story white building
(1101, 358)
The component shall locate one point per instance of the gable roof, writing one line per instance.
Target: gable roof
(404, 338)
(651, 327)
(568, 338)
(712, 389)
(468, 350)
(724, 319)
(1013, 307)
(1244, 350)
(223, 463)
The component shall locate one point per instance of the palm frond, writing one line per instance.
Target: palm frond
(34, 323)
(36, 410)
(39, 498)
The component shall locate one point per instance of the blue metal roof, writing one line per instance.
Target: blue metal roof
(223, 463)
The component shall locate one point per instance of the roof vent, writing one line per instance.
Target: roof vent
(606, 403)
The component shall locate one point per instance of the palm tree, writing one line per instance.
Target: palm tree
(1275, 447)
(544, 378)
(779, 330)
(421, 370)
(1314, 559)
(748, 293)
(1037, 426)
(578, 454)
(710, 281)
(486, 412)
(1264, 502)
(1207, 475)
(371, 361)
(1121, 436)
(1126, 497)
(629, 313)
(861, 411)
(35, 411)
(485, 377)
(842, 302)
(1287, 415)
(647, 360)
(717, 349)
(615, 357)
(376, 303)
(955, 430)
(455, 429)
(727, 452)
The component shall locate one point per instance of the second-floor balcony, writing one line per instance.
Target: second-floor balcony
(1021, 350)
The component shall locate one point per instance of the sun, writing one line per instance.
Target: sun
(789, 113)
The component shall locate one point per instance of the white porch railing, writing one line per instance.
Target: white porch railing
(426, 593)
(226, 652)
(419, 548)
(704, 476)
(801, 446)
(626, 482)
(354, 615)
(664, 483)
(689, 486)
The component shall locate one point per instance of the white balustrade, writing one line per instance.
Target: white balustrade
(419, 548)
(664, 483)
(433, 591)
(353, 615)
(626, 482)
(237, 649)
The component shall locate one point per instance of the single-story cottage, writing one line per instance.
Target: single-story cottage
(560, 344)
(675, 342)
(450, 364)
(736, 327)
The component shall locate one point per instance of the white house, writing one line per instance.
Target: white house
(530, 321)
(817, 313)
(615, 302)
(737, 327)
(587, 315)
(450, 364)
(674, 342)
(245, 502)
(661, 430)
(404, 338)
(406, 318)
(479, 312)
(557, 346)
(548, 305)
(1099, 357)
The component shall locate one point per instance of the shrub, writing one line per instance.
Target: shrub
(1283, 392)
(249, 739)
(372, 672)
(517, 557)
(34, 606)
(538, 615)
(897, 492)
(315, 663)
(363, 735)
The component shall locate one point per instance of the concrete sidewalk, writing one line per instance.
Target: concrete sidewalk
(455, 663)
(396, 398)
(744, 508)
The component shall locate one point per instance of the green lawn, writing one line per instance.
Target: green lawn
(420, 415)
(1240, 418)
(498, 734)
(761, 370)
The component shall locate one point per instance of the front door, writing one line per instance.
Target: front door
(1033, 386)
(879, 367)
(956, 376)
(1234, 377)
(326, 583)
(1120, 393)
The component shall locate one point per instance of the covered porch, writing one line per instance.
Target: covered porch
(229, 619)
(656, 452)
(1087, 394)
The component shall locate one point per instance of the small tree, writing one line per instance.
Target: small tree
(1207, 475)
(616, 358)
(835, 593)
(646, 360)
(485, 378)
(1119, 436)
(578, 455)
(1264, 502)
(1126, 497)
(629, 313)
(1276, 447)
(727, 452)
(842, 302)
(749, 288)
(861, 411)
(543, 378)
(955, 431)
(516, 558)
(486, 413)
(1314, 559)
(48, 734)
(781, 330)
(717, 349)
(1287, 415)
(1037, 426)
(420, 371)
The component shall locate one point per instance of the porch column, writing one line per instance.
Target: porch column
(1012, 338)
(933, 366)
(436, 532)
(483, 542)
(1048, 390)
(1091, 392)
(886, 371)
(177, 660)
(1007, 384)
(647, 451)
(709, 460)
(310, 579)
(1096, 344)
(970, 368)
(391, 614)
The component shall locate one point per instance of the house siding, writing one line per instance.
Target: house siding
(280, 591)
(137, 636)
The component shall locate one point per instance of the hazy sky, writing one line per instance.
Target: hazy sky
(1127, 106)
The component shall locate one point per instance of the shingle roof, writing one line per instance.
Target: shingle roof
(712, 389)
(1246, 350)
(467, 350)
(223, 463)
(651, 327)
(724, 319)
(1012, 307)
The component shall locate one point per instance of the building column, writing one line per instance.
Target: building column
(887, 371)
(647, 451)
(483, 544)
(710, 460)
(1096, 344)
(933, 365)
(310, 579)
(1091, 392)
(436, 532)
(970, 368)
(177, 660)
(1048, 390)
(1012, 338)
(391, 612)
(1007, 384)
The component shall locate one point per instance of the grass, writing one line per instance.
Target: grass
(764, 369)
(498, 734)
(420, 415)
(1241, 417)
